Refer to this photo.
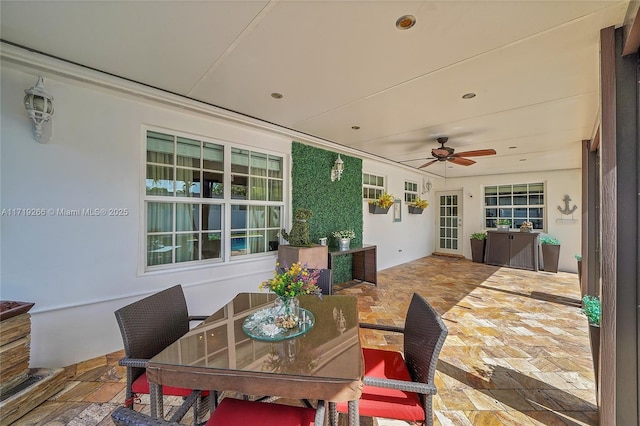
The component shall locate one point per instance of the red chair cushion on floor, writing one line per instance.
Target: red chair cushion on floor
(141, 385)
(237, 412)
(387, 403)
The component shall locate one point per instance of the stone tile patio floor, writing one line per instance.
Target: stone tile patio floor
(517, 352)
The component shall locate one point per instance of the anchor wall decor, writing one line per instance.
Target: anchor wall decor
(566, 209)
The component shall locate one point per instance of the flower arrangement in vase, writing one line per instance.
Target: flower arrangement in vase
(288, 284)
(382, 204)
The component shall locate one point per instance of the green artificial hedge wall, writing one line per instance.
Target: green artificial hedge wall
(335, 205)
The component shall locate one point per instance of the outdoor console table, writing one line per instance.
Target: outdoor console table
(513, 249)
(364, 265)
(324, 363)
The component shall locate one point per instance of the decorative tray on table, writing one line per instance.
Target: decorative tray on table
(261, 325)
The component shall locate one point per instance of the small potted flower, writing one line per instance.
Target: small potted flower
(503, 225)
(418, 205)
(344, 238)
(382, 204)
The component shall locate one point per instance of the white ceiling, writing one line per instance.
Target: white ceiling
(534, 66)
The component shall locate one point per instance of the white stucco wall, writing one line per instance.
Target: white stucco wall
(79, 270)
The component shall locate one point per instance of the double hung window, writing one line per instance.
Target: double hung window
(206, 200)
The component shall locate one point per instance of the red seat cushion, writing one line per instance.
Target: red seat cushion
(237, 412)
(387, 403)
(141, 385)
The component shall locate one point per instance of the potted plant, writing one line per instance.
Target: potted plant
(592, 308)
(418, 206)
(579, 260)
(550, 253)
(503, 225)
(478, 240)
(344, 238)
(382, 204)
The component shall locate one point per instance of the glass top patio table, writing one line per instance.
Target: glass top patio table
(324, 363)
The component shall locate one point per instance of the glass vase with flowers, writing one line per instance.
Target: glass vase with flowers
(288, 284)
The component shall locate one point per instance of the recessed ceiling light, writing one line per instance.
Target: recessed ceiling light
(355, 127)
(276, 95)
(512, 147)
(469, 95)
(405, 22)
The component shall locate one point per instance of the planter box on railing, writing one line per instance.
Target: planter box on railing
(377, 209)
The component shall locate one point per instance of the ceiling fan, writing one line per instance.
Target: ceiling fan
(445, 153)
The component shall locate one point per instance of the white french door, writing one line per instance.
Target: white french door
(449, 226)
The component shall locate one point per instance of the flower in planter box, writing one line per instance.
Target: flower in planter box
(385, 201)
(419, 203)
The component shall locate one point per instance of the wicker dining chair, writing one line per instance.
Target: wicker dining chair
(325, 281)
(148, 326)
(400, 387)
(236, 412)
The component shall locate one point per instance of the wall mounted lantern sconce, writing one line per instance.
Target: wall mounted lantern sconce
(337, 169)
(39, 105)
(427, 187)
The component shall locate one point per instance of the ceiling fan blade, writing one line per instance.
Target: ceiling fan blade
(461, 161)
(428, 164)
(476, 153)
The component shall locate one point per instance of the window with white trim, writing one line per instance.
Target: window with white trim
(202, 197)
(516, 203)
(410, 191)
(372, 186)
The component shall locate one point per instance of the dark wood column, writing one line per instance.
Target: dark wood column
(620, 128)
